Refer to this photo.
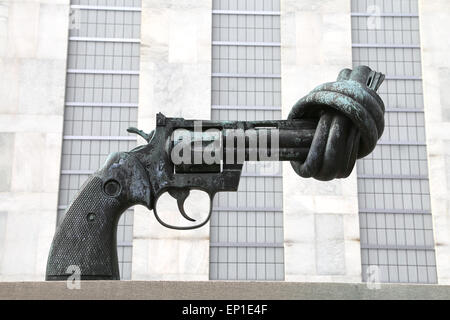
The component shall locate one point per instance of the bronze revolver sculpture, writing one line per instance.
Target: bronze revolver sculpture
(325, 133)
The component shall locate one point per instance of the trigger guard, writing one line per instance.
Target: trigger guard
(155, 212)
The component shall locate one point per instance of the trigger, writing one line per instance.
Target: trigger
(181, 197)
(180, 203)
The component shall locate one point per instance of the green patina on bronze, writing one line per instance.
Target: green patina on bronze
(325, 133)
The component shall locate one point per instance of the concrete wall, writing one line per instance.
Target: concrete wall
(435, 42)
(175, 79)
(33, 50)
(321, 225)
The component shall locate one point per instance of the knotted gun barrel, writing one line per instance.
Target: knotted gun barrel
(350, 121)
(325, 133)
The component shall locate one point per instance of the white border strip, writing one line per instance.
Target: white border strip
(106, 8)
(101, 138)
(245, 75)
(101, 104)
(225, 107)
(385, 14)
(408, 110)
(91, 71)
(249, 209)
(385, 45)
(77, 172)
(391, 176)
(92, 39)
(248, 44)
(403, 78)
(241, 12)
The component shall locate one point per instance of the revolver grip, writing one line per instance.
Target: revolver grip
(86, 238)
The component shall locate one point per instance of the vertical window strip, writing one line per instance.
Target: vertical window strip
(396, 230)
(101, 100)
(246, 236)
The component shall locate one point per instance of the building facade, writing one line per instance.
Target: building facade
(76, 74)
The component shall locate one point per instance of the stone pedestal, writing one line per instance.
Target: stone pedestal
(212, 290)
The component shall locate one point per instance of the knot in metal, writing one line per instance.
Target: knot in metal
(350, 117)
